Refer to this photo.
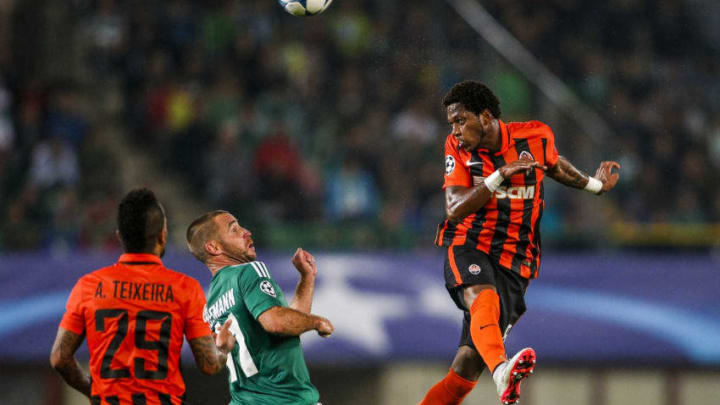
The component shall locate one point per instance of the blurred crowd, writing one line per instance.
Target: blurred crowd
(649, 68)
(334, 122)
(59, 189)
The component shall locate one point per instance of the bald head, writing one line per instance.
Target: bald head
(200, 231)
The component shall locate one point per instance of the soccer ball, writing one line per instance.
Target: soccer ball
(304, 8)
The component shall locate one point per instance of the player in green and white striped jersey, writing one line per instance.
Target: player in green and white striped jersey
(267, 364)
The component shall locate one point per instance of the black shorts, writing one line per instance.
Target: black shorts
(465, 266)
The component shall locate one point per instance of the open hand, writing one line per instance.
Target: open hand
(605, 174)
(304, 262)
(224, 339)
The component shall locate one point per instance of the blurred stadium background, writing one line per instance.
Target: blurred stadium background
(327, 133)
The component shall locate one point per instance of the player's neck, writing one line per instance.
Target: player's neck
(156, 251)
(495, 137)
(217, 263)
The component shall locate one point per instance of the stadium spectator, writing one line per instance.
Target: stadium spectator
(107, 30)
(351, 193)
(19, 232)
(7, 127)
(278, 163)
(415, 124)
(54, 163)
(227, 165)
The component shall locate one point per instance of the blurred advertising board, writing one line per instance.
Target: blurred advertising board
(587, 308)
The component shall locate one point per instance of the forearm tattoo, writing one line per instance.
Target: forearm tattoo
(207, 356)
(564, 172)
(66, 344)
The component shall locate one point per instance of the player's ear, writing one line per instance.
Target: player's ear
(162, 236)
(486, 117)
(212, 247)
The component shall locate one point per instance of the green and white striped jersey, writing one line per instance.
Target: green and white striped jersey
(264, 368)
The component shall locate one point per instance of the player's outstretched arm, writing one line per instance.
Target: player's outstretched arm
(604, 180)
(304, 262)
(211, 352)
(290, 322)
(62, 359)
(462, 201)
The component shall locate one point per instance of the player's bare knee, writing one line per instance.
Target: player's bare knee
(467, 363)
(472, 291)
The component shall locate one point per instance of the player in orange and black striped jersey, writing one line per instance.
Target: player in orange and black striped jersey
(134, 314)
(494, 174)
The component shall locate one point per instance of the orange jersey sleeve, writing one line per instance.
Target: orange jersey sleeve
(74, 317)
(456, 171)
(195, 326)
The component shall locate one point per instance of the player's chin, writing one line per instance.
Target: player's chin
(467, 146)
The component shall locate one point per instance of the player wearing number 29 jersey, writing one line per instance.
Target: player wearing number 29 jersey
(134, 315)
(264, 368)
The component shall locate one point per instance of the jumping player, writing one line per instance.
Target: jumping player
(134, 314)
(494, 201)
(267, 365)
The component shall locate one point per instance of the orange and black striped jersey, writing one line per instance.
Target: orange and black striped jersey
(134, 314)
(507, 228)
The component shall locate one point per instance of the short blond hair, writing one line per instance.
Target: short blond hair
(200, 231)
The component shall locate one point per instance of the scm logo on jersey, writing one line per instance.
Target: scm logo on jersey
(516, 192)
